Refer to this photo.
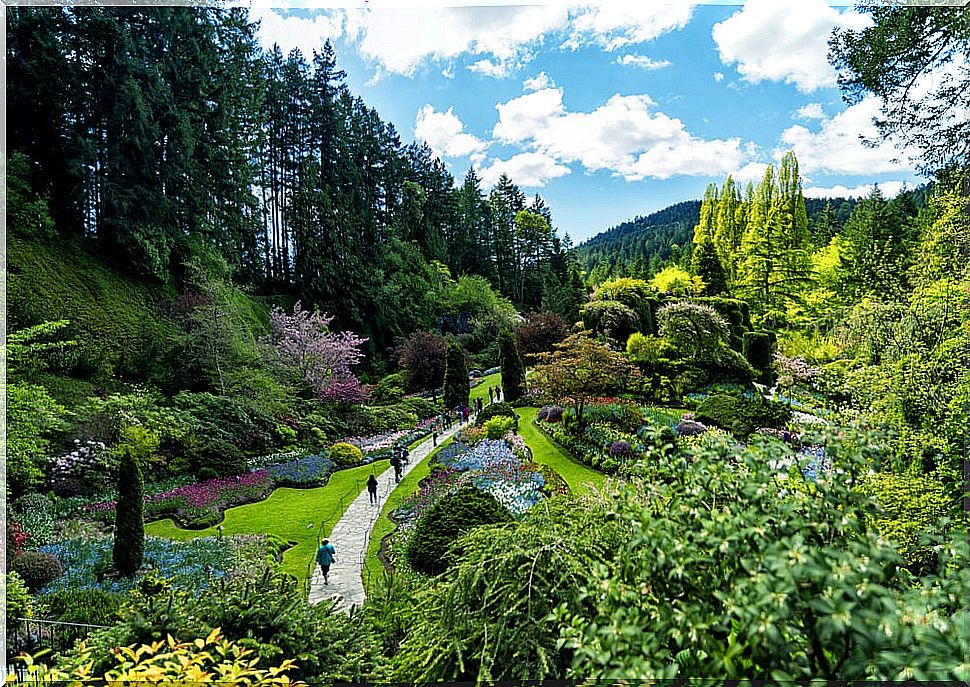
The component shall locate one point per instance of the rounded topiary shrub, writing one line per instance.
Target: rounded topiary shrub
(345, 455)
(740, 415)
(431, 549)
(498, 427)
(690, 428)
(542, 413)
(37, 569)
(497, 410)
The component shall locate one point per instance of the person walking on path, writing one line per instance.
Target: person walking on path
(498, 394)
(372, 488)
(396, 464)
(434, 436)
(490, 392)
(326, 558)
(464, 412)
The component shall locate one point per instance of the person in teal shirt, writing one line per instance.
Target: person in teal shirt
(326, 557)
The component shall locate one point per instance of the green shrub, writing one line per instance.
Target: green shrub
(345, 455)
(422, 407)
(390, 389)
(612, 319)
(37, 569)
(910, 505)
(431, 548)
(20, 604)
(741, 415)
(89, 606)
(497, 410)
(497, 427)
(735, 312)
(216, 458)
(757, 350)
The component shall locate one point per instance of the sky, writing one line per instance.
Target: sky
(608, 110)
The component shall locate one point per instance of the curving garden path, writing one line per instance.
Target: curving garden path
(351, 533)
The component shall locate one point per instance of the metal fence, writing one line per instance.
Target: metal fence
(33, 634)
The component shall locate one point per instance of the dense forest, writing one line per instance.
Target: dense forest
(247, 322)
(156, 134)
(643, 246)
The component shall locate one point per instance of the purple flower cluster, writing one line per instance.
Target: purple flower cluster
(202, 502)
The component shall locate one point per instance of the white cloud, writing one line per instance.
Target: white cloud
(783, 40)
(537, 83)
(624, 135)
(404, 40)
(718, 77)
(836, 147)
(498, 40)
(296, 32)
(444, 132)
(889, 189)
(642, 61)
(525, 169)
(753, 171)
(616, 25)
(810, 111)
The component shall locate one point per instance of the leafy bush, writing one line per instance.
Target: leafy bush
(35, 512)
(212, 659)
(345, 455)
(741, 415)
(621, 449)
(430, 547)
(19, 602)
(421, 407)
(87, 606)
(611, 319)
(216, 458)
(497, 427)
(497, 410)
(37, 569)
(911, 507)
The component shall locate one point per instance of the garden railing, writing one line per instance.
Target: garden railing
(33, 634)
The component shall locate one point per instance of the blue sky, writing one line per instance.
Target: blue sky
(608, 110)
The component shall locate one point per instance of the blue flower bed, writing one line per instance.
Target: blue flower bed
(302, 472)
(187, 564)
(814, 461)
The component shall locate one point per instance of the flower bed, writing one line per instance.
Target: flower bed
(309, 471)
(189, 564)
(201, 504)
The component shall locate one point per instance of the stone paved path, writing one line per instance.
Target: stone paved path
(352, 532)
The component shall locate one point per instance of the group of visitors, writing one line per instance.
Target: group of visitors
(399, 458)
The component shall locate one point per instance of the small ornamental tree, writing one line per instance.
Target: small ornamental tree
(579, 369)
(694, 329)
(322, 358)
(539, 333)
(456, 377)
(423, 359)
(513, 371)
(129, 540)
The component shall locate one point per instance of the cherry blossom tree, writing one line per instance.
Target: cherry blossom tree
(304, 342)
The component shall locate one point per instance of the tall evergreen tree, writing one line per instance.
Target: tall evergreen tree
(513, 369)
(875, 250)
(129, 535)
(456, 376)
(708, 267)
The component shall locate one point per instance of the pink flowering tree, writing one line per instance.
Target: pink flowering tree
(304, 342)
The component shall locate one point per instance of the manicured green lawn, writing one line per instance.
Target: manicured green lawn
(373, 568)
(546, 451)
(287, 513)
(481, 390)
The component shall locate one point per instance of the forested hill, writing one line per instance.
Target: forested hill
(166, 142)
(641, 246)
